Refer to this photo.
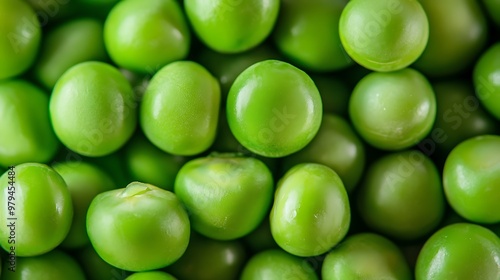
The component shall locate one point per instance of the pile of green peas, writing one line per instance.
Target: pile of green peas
(250, 139)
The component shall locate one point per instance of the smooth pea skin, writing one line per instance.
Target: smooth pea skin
(384, 35)
(180, 108)
(27, 134)
(311, 211)
(393, 111)
(277, 264)
(42, 206)
(20, 40)
(144, 38)
(68, 44)
(402, 196)
(151, 275)
(274, 109)
(486, 84)
(208, 259)
(232, 26)
(366, 256)
(93, 109)
(147, 163)
(84, 182)
(471, 176)
(227, 196)
(458, 31)
(307, 32)
(138, 228)
(460, 251)
(54, 265)
(337, 146)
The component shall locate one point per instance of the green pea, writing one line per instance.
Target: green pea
(470, 176)
(232, 26)
(84, 182)
(138, 228)
(337, 146)
(151, 275)
(66, 45)
(227, 196)
(27, 134)
(486, 84)
(384, 35)
(42, 208)
(460, 251)
(458, 31)
(394, 110)
(274, 109)
(180, 108)
(93, 109)
(307, 32)
(54, 265)
(366, 256)
(144, 38)
(207, 259)
(311, 211)
(20, 40)
(277, 264)
(402, 196)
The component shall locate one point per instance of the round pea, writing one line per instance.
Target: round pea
(227, 196)
(232, 26)
(144, 38)
(402, 195)
(458, 31)
(307, 32)
(180, 108)
(20, 40)
(337, 146)
(25, 124)
(274, 109)
(138, 228)
(54, 265)
(277, 264)
(311, 211)
(151, 275)
(366, 256)
(84, 182)
(41, 203)
(460, 251)
(384, 35)
(486, 84)
(470, 177)
(394, 110)
(66, 45)
(211, 259)
(93, 109)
